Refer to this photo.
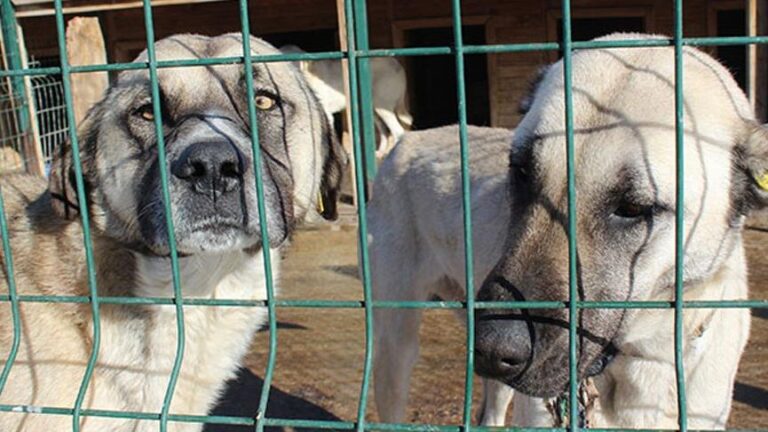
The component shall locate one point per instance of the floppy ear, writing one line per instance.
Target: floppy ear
(333, 170)
(527, 102)
(61, 182)
(754, 155)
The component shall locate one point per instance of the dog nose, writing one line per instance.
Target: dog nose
(209, 167)
(502, 346)
(502, 337)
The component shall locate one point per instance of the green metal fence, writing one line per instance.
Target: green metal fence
(358, 55)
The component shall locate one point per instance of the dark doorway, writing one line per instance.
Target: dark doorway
(584, 29)
(733, 22)
(432, 79)
(310, 41)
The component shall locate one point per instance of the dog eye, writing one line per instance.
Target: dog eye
(146, 112)
(630, 210)
(265, 102)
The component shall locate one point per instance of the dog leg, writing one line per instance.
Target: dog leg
(496, 399)
(396, 130)
(530, 412)
(397, 349)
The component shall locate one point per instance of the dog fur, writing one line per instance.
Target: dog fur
(217, 229)
(625, 184)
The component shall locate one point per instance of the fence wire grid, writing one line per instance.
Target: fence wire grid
(362, 131)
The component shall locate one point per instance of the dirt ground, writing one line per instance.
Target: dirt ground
(320, 351)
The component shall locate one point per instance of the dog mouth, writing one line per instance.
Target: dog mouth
(549, 384)
(546, 374)
(210, 235)
(217, 227)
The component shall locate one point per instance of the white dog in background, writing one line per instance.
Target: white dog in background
(388, 88)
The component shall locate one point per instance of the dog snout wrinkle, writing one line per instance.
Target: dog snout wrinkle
(210, 168)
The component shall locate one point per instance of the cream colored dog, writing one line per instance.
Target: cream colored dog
(624, 117)
(218, 237)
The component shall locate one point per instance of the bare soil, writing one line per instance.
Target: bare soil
(320, 351)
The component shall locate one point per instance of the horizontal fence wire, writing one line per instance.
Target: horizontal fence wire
(395, 304)
(357, 55)
(315, 424)
(395, 52)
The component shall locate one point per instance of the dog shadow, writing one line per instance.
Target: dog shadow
(241, 399)
(751, 395)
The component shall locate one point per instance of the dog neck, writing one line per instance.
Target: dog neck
(211, 353)
(201, 275)
(637, 382)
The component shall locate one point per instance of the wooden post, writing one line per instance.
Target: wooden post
(752, 53)
(761, 72)
(85, 46)
(33, 151)
(29, 144)
(757, 70)
(346, 137)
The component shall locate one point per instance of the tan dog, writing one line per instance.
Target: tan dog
(625, 179)
(10, 160)
(217, 230)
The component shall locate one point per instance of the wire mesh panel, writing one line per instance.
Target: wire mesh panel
(10, 104)
(55, 116)
(51, 112)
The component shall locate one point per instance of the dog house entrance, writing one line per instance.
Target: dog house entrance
(432, 79)
(584, 29)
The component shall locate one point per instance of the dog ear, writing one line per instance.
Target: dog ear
(754, 161)
(61, 182)
(333, 170)
(527, 102)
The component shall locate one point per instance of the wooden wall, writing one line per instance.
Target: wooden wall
(506, 21)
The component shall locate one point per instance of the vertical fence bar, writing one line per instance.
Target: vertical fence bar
(573, 289)
(83, 208)
(360, 186)
(357, 32)
(7, 253)
(161, 159)
(461, 97)
(679, 215)
(366, 92)
(12, 293)
(245, 29)
(13, 53)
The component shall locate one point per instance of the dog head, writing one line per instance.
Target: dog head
(210, 166)
(625, 168)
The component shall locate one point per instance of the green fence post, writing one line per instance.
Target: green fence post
(15, 62)
(679, 215)
(350, 8)
(9, 21)
(360, 94)
(466, 187)
(84, 216)
(366, 92)
(163, 164)
(261, 415)
(573, 288)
